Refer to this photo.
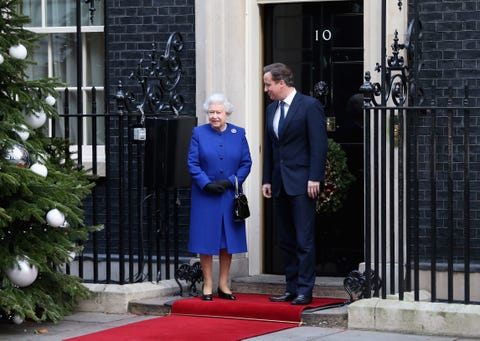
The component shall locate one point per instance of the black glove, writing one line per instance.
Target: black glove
(214, 187)
(225, 183)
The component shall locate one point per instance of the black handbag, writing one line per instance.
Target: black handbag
(241, 211)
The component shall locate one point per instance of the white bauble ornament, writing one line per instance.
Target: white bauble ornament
(37, 119)
(19, 155)
(18, 51)
(50, 100)
(17, 320)
(71, 256)
(55, 218)
(1, 59)
(23, 132)
(23, 273)
(39, 169)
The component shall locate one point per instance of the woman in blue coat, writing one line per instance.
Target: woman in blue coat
(218, 152)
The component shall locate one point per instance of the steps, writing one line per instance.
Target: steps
(275, 284)
(265, 284)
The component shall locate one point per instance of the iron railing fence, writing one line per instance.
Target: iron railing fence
(422, 201)
(144, 235)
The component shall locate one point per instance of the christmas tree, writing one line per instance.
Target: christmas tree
(41, 188)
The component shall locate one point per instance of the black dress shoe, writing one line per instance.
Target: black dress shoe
(302, 300)
(207, 297)
(286, 297)
(226, 296)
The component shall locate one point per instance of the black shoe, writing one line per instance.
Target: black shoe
(302, 300)
(286, 297)
(224, 295)
(207, 297)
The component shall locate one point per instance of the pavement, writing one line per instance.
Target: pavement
(82, 323)
(108, 309)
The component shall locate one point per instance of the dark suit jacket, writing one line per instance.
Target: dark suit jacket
(300, 152)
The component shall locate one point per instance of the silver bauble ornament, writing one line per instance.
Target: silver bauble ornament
(19, 155)
(1, 59)
(23, 273)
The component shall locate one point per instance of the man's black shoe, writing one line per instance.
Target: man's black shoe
(286, 297)
(302, 300)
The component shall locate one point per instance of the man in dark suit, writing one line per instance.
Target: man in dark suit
(295, 153)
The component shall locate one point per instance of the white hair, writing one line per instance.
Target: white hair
(218, 99)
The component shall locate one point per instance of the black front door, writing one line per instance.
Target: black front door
(323, 42)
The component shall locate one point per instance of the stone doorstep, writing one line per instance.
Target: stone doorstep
(331, 317)
(153, 298)
(115, 298)
(421, 318)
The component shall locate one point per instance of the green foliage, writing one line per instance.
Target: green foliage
(338, 180)
(26, 197)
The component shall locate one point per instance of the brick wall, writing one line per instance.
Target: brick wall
(450, 46)
(450, 60)
(134, 25)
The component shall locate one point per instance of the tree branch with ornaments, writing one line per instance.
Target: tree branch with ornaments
(42, 225)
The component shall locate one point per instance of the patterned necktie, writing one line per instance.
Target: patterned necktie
(282, 116)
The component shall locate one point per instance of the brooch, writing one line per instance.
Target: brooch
(234, 131)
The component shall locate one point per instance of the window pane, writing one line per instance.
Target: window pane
(33, 9)
(63, 13)
(64, 58)
(95, 59)
(40, 57)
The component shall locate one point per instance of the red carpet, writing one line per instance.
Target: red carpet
(250, 306)
(193, 319)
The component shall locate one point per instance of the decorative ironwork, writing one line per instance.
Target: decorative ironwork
(190, 273)
(159, 77)
(355, 284)
(398, 77)
(320, 91)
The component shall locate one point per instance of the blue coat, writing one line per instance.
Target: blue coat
(300, 153)
(215, 156)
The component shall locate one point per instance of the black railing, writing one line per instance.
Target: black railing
(421, 174)
(145, 227)
(144, 233)
(421, 191)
